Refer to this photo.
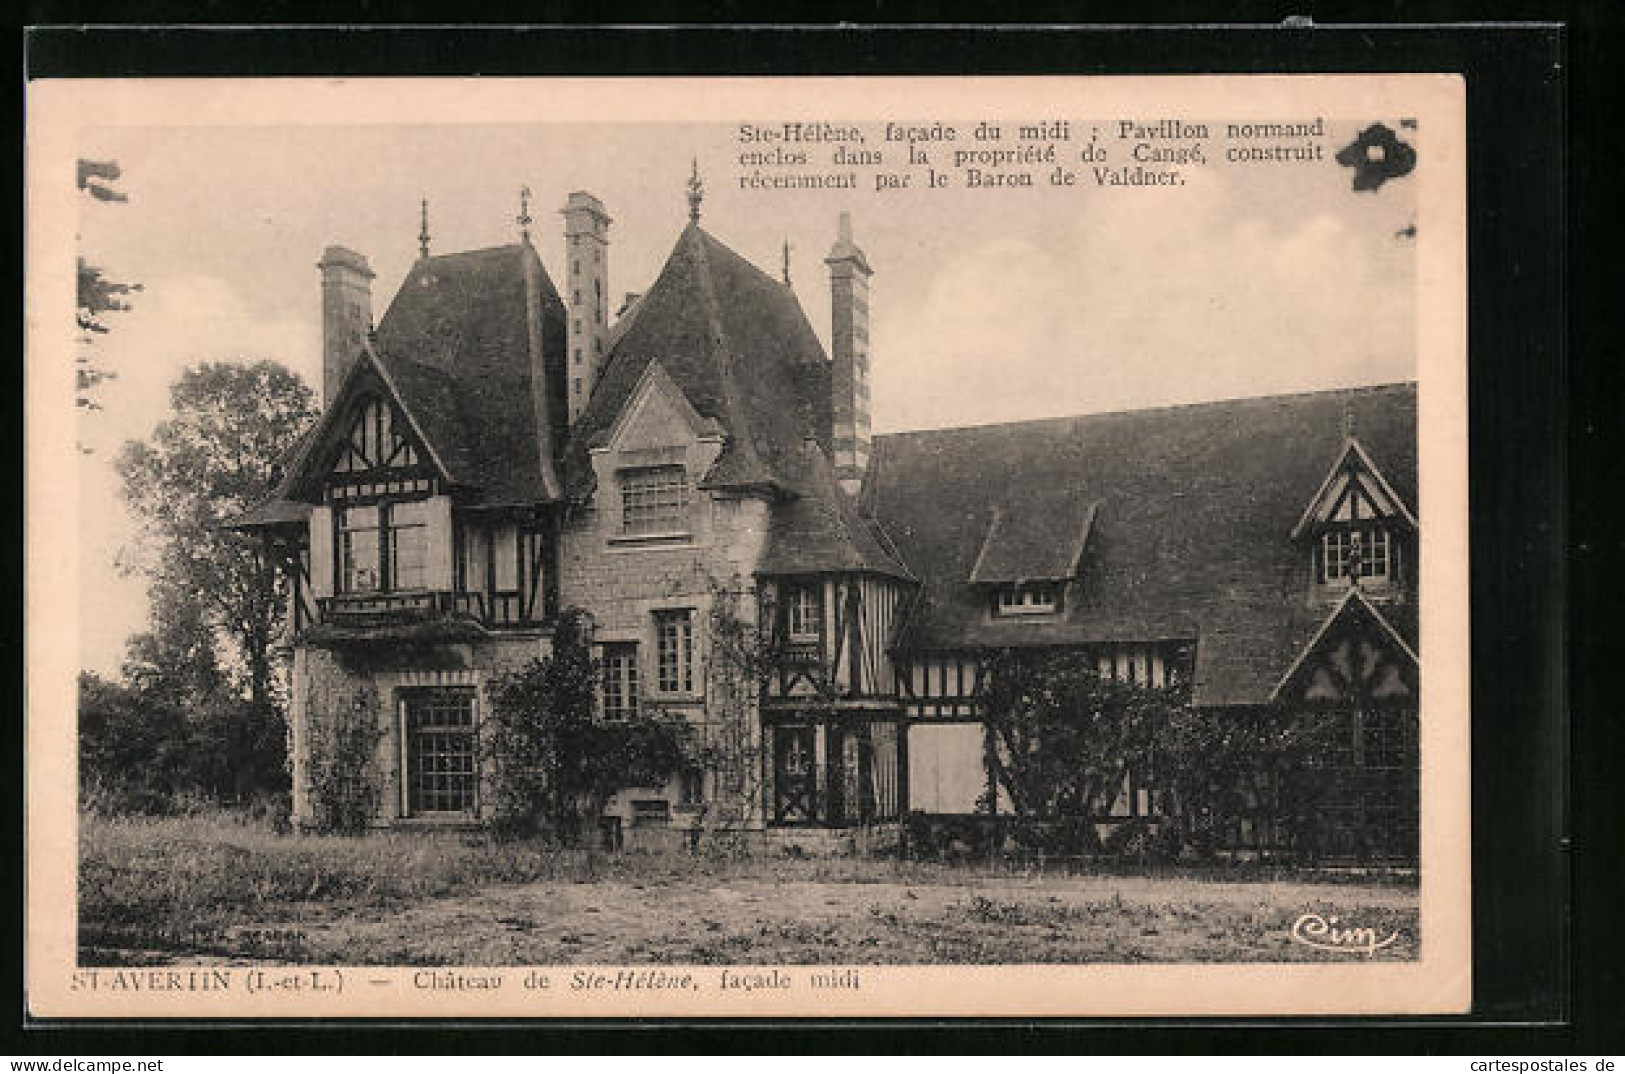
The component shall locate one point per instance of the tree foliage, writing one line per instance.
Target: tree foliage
(555, 762)
(134, 749)
(208, 461)
(1062, 737)
(1272, 769)
(98, 294)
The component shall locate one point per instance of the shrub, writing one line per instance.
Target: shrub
(343, 776)
(556, 763)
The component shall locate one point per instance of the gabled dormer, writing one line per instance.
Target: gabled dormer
(649, 467)
(1357, 531)
(368, 444)
(1031, 558)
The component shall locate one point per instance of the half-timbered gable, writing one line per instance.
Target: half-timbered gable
(1358, 530)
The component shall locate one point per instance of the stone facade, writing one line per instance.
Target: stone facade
(623, 587)
(327, 682)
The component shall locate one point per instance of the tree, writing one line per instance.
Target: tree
(208, 461)
(134, 748)
(555, 762)
(98, 295)
(1061, 737)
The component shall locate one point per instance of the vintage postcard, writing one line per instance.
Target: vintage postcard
(841, 547)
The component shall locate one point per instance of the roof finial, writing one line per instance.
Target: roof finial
(787, 249)
(1348, 420)
(423, 231)
(524, 214)
(696, 193)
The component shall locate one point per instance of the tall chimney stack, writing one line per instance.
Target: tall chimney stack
(346, 313)
(849, 274)
(586, 293)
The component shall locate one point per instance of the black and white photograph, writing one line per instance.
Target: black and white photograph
(750, 546)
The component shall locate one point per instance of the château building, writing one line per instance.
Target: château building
(500, 448)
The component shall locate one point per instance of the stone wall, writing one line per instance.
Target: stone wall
(624, 584)
(330, 681)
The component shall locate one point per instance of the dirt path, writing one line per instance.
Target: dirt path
(1090, 919)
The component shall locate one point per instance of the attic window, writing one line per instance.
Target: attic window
(1348, 553)
(654, 501)
(1028, 598)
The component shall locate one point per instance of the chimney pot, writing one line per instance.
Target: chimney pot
(849, 274)
(346, 313)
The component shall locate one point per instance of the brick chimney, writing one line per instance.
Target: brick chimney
(849, 274)
(346, 313)
(586, 293)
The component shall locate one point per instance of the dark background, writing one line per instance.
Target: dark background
(1543, 387)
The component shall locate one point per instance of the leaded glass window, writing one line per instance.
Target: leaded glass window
(654, 500)
(620, 681)
(441, 759)
(674, 632)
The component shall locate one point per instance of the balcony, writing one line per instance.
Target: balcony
(368, 611)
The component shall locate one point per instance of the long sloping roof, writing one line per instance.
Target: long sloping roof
(1191, 534)
(735, 341)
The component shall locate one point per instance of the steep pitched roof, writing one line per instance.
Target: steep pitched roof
(1191, 536)
(458, 340)
(277, 508)
(819, 530)
(735, 341)
(455, 351)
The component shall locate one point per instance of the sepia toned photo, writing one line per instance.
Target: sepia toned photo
(821, 547)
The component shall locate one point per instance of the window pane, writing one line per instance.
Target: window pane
(675, 632)
(442, 772)
(358, 549)
(654, 500)
(358, 518)
(1028, 599)
(505, 550)
(806, 613)
(408, 550)
(620, 681)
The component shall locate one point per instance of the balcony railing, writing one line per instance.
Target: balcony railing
(498, 609)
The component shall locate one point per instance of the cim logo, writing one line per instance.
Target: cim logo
(1325, 934)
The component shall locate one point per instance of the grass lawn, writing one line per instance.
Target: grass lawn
(208, 889)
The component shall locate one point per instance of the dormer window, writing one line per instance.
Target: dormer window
(1357, 552)
(1028, 598)
(1356, 528)
(654, 501)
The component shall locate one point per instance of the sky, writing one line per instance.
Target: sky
(986, 305)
